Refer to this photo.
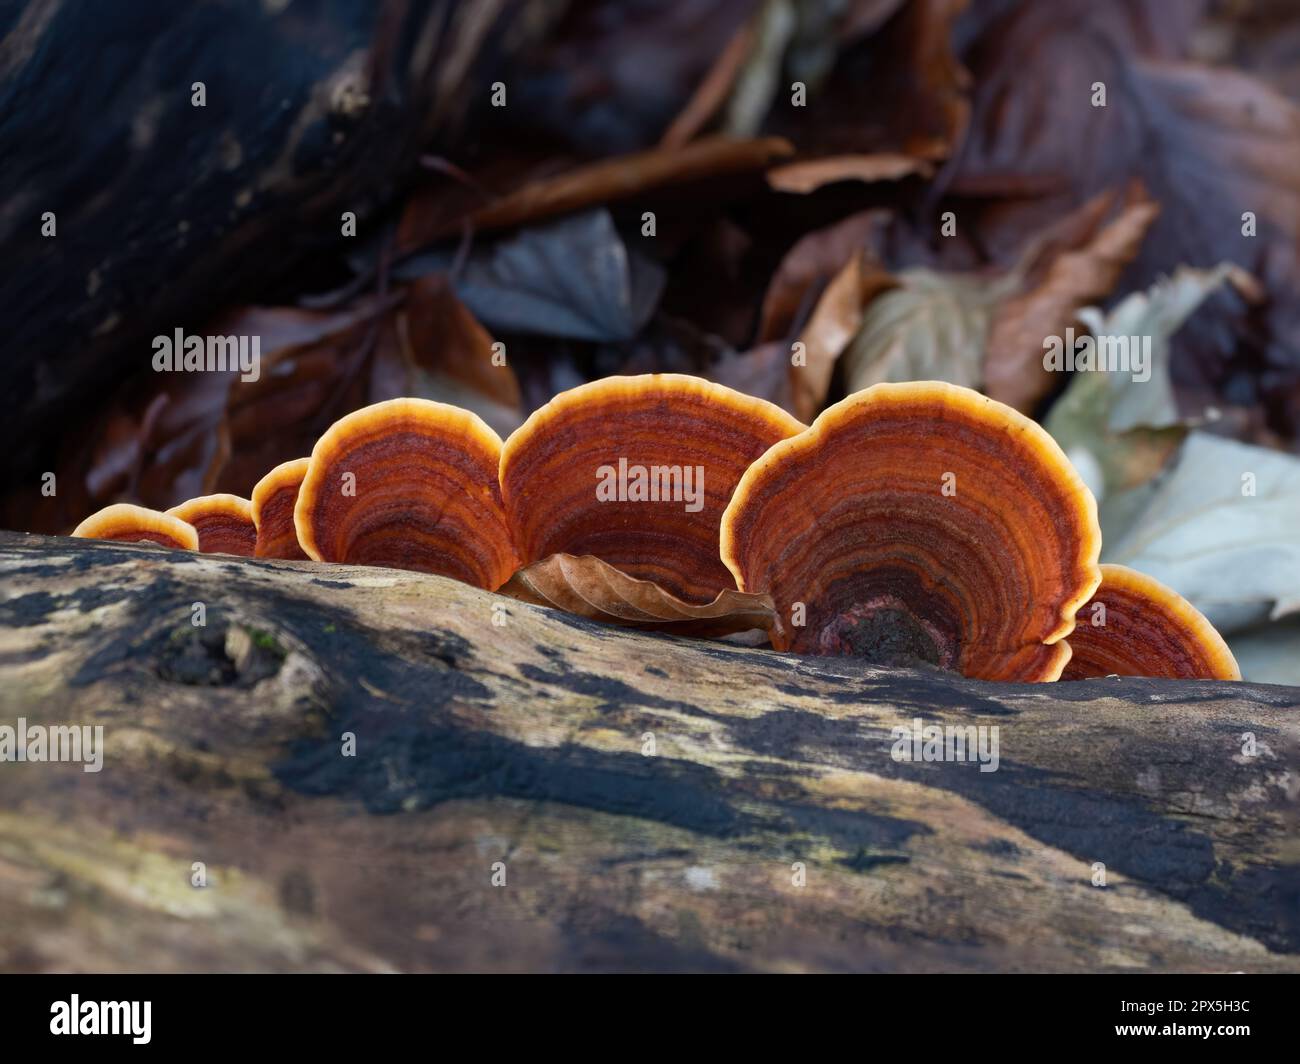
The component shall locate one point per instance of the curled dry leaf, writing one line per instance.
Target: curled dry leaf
(813, 260)
(796, 373)
(449, 356)
(1119, 428)
(978, 330)
(594, 589)
(1077, 276)
(931, 327)
(829, 331)
(604, 182)
(712, 92)
(808, 175)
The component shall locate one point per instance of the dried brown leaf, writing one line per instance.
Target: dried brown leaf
(594, 589)
(812, 261)
(451, 358)
(830, 330)
(811, 174)
(606, 181)
(713, 91)
(1013, 367)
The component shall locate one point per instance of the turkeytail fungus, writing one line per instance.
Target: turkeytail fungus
(637, 471)
(919, 521)
(1136, 626)
(128, 523)
(274, 497)
(224, 523)
(411, 484)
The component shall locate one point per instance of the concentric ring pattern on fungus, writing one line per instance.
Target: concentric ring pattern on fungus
(274, 497)
(920, 521)
(224, 523)
(637, 472)
(128, 523)
(1144, 628)
(411, 484)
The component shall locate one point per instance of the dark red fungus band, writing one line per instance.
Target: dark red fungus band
(274, 497)
(1136, 626)
(410, 484)
(224, 523)
(637, 471)
(923, 522)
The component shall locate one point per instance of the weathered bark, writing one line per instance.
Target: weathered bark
(523, 743)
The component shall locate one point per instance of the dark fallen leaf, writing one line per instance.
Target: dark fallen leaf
(863, 17)
(666, 345)
(282, 328)
(424, 343)
(614, 75)
(1261, 37)
(594, 589)
(1210, 144)
(899, 89)
(713, 279)
(302, 389)
(763, 371)
(573, 277)
(812, 261)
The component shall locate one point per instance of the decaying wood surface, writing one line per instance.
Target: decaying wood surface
(521, 746)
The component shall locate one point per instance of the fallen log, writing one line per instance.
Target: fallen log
(529, 790)
(156, 152)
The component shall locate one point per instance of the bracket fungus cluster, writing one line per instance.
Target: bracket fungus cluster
(910, 522)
